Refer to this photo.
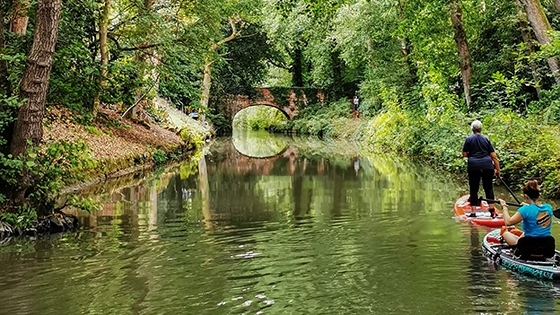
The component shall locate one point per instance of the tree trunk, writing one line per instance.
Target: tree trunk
(207, 72)
(297, 68)
(103, 31)
(28, 129)
(141, 57)
(337, 87)
(539, 23)
(206, 81)
(18, 23)
(462, 49)
(5, 86)
(529, 48)
(557, 5)
(402, 41)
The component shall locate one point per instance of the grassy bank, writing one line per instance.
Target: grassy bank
(527, 144)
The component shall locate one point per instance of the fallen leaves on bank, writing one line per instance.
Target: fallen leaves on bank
(111, 138)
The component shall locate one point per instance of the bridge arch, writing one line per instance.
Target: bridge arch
(267, 104)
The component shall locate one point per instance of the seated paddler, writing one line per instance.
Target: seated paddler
(536, 242)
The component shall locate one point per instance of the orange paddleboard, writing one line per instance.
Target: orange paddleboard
(462, 210)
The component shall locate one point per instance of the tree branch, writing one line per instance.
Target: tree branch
(234, 34)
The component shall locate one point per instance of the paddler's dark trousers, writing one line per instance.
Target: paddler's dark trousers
(474, 183)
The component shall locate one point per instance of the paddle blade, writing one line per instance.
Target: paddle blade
(556, 213)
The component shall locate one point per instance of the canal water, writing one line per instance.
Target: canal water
(270, 225)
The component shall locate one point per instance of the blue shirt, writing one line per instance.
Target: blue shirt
(478, 149)
(537, 221)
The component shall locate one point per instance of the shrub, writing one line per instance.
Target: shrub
(159, 156)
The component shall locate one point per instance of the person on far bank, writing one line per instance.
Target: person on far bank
(536, 218)
(356, 104)
(482, 164)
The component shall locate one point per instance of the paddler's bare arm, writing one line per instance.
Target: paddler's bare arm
(496, 163)
(509, 220)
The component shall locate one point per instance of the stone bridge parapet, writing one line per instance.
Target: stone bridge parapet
(288, 100)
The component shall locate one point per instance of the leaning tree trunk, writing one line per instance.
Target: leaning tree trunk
(529, 48)
(18, 22)
(539, 23)
(462, 49)
(207, 74)
(28, 129)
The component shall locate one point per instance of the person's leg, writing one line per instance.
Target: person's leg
(487, 176)
(510, 238)
(474, 184)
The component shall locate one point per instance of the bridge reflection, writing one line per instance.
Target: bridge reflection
(258, 145)
(288, 161)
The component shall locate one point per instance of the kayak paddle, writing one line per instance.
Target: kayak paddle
(555, 212)
(498, 202)
(506, 186)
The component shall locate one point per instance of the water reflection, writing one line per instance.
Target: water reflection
(321, 228)
(258, 144)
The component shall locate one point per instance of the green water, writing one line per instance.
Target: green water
(270, 225)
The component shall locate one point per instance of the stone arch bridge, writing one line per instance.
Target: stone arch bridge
(287, 100)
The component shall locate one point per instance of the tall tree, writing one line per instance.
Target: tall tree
(103, 49)
(462, 49)
(28, 129)
(19, 20)
(529, 49)
(541, 28)
(236, 25)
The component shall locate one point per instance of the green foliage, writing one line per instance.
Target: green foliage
(74, 77)
(548, 106)
(50, 169)
(75, 71)
(123, 81)
(221, 123)
(438, 141)
(159, 156)
(400, 55)
(10, 168)
(246, 65)
(190, 167)
(191, 136)
(83, 203)
(321, 119)
(93, 130)
(59, 165)
(157, 113)
(259, 118)
(23, 217)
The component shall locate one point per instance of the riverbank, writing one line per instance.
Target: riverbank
(120, 145)
(77, 153)
(527, 144)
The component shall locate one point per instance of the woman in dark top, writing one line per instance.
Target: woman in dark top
(482, 164)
